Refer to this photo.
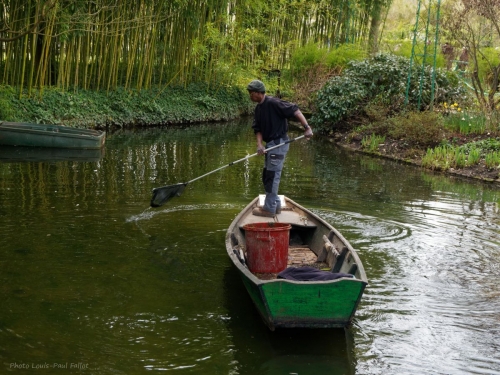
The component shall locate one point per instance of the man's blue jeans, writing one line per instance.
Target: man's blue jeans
(271, 175)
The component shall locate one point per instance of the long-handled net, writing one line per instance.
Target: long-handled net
(162, 195)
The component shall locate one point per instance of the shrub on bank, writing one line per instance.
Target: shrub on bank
(122, 108)
(411, 129)
(422, 129)
(382, 78)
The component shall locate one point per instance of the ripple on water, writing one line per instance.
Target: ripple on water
(149, 212)
(432, 288)
(369, 229)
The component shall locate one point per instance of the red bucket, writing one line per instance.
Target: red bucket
(267, 246)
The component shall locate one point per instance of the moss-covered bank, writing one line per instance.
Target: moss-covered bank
(125, 108)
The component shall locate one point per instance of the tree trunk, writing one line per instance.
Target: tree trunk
(376, 21)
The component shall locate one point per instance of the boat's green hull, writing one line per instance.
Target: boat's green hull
(312, 305)
(285, 303)
(36, 135)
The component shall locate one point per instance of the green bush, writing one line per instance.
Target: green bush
(399, 47)
(339, 97)
(383, 78)
(424, 129)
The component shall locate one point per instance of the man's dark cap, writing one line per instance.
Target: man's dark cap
(257, 86)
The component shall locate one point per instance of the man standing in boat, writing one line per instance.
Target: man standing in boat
(270, 125)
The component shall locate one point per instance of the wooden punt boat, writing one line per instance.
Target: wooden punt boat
(38, 135)
(313, 243)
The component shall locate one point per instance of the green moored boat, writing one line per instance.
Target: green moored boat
(288, 293)
(38, 135)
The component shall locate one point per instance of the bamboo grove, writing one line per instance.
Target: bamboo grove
(105, 44)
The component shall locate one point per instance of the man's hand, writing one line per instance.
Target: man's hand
(261, 150)
(308, 132)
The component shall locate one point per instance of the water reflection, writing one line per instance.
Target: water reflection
(301, 351)
(14, 154)
(91, 274)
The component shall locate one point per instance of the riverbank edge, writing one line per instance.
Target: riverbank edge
(416, 162)
(168, 107)
(339, 140)
(123, 108)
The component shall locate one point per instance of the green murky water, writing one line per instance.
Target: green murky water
(95, 282)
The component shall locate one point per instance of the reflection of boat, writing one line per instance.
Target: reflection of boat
(257, 350)
(37, 135)
(39, 154)
(326, 364)
(314, 243)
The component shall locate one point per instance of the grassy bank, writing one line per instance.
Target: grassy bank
(432, 141)
(125, 108)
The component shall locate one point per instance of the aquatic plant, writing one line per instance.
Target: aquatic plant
(372, 142)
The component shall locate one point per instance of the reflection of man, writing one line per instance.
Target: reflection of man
(271, 126)
(448, 53)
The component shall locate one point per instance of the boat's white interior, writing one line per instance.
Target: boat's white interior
(311, 242)
(290, 215)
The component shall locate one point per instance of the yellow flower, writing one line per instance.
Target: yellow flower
(455, 104)
(459, 109)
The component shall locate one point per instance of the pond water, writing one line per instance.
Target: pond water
(94, 281)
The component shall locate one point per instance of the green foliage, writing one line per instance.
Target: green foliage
(403, 48)
(372, 142)
(466, 122)
(7, 111)
(460, 159)
(485, 146)
(340, 97)
(341, 56)
(474, 156)
(109, 44)
(492, 160)
(444, 157)
(311, 67)
(173, 105)
(488, 58)
(417, 128)
(306, 58)
(437, 158)
(447, 156)
(383, 78)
